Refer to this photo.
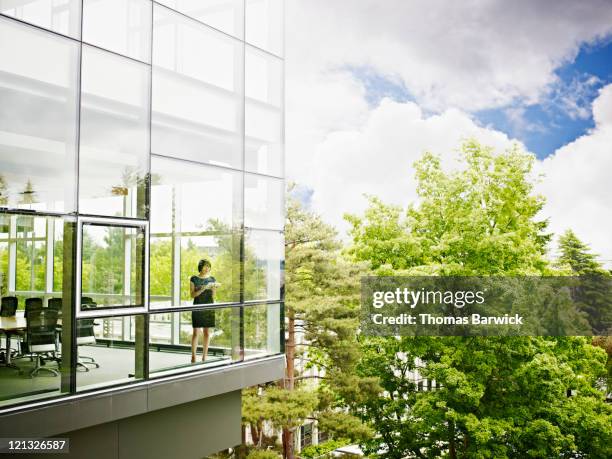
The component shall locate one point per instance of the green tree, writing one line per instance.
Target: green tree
(479, 219)
(493, 397)
(321, 302)
(577, 255)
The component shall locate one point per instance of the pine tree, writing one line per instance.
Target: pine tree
(577, 255)
(28, 195)
(322, 303)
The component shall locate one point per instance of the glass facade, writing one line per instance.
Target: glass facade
(138, 138)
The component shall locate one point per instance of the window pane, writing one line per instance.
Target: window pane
(63, 16)
(107, 348)
(24, 253)
(263, 255)
(261, 330)
(122, 26)
(223, 252)
(38, 75)
(112, 267)
(264, 24)
(5, 223)
(197, 210)
(31, 253)
(170, 338)
(58, 255)
(263, 202)
(225, 15)
(197, 91)
(263, 113)
(188, 197)
(161, 265)
(114, 135)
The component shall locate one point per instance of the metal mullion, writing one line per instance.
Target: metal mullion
(213, 166)
(126, 221)
(243, 208)
(42, 29)
(31, 213)
(50, 243)
(198, 21)
(67, 37)
(267, 230)
(148, 186)
(195, 307)
(100, 48)
(250, 303)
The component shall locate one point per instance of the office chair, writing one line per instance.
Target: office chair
(40, 337)
(9, 306)
(32, 304)
(55, 303)
(86, 335)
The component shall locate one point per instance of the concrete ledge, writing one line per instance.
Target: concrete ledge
(79, 412)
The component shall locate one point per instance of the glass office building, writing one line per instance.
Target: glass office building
(138, 137)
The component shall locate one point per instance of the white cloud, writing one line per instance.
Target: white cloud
(376, 157)
(454, 58)
(470, 55)
(577, 182)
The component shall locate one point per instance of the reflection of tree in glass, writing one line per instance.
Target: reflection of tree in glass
(58, 256)
(28, 195)
(160, 262)
(3, 191)
(103, 265)
(30, 257)
(3, 267)
(224, 255)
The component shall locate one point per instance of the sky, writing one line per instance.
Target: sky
(371, 85)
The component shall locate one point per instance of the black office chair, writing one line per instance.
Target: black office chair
(86, 335)
(9, 306)
(32, 304)
(56, 304)
(40, 337)
(88, 300)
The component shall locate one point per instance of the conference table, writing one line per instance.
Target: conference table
(10, 326)
(13, 325)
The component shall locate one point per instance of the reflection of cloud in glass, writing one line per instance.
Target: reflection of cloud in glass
(38, 89)
(197, 89)
(114, 134)
(196, 193)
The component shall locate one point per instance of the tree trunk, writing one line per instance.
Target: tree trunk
(290, 352)
(452, 450)
(254, 434)
(289, 383)
(288, 450)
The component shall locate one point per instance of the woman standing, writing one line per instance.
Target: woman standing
(202, 289)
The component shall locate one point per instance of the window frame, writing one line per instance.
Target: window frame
(141, 225)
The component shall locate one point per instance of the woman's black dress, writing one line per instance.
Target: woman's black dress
(205, 318)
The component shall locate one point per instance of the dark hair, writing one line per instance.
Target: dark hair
(203, 263)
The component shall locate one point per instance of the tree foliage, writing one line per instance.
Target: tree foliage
(481, 218)
(322, 305)
(493, 397)
(577, 255)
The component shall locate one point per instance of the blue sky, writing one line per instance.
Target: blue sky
(550, 124)
(563, 115)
